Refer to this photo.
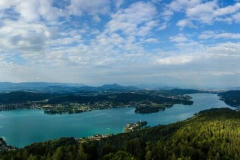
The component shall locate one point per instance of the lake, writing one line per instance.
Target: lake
(23, 127)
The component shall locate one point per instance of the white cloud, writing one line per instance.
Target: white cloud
(145, 30)
(25, 38)
(236, 17)
(10, 70)
(185, 23)
(48, 12)
(77, 7)
(179, 38)
(167, 14)
(223, 35)
(151, 40)
(129, 20)
(118, 3)
(210, 11)
(163, 26)
(205, 12)
(227, 50)
(211, 65)
(28, 10)
(41, 42)
(12, 37)
(96, 18)
(33, 10)
(179, 5)
(7, 4)
(176, 60)
(228, 20)
(227, 10)
(190, 47)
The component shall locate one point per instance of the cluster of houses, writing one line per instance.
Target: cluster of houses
(95, 137)
(135, 126)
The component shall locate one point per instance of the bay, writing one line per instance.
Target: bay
(23, 127)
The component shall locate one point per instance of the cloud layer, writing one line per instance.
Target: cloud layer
(185, 43)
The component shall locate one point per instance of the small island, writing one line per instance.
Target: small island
(135, 126)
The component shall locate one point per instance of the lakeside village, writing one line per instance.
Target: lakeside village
(143, 106)
(71, 108)
(130, 127)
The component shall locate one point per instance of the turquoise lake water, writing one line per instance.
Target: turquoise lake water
(23, 127)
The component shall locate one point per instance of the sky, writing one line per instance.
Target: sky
(184, 43)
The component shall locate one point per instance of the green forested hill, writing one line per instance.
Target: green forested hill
(21, 97)
(211, 134)
(231, 98)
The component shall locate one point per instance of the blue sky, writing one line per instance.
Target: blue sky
(185, 43)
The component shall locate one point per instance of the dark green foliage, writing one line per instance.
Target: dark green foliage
(2, 142)
(231, 98)
(148, 109)
(119, 155)
(4, 146)
(136, 147)
(210, 134)
(185, 91)
(22, 97)
(116, 98)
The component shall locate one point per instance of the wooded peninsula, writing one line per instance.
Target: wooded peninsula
(144, 101)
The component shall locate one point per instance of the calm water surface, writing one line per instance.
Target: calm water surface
(23, 127)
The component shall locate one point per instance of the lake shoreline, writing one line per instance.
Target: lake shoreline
(32, 123)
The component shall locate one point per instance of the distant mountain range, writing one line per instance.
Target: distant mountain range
(154, 86)
(4, 85)
(36, 86)
(59, 87)
(46, 87)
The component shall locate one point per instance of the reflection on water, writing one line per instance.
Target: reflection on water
(23, 127)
